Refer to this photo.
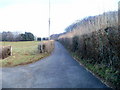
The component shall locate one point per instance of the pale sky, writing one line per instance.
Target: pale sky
(32, 15)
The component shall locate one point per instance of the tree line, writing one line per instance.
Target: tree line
(93, 23)
(14, 36)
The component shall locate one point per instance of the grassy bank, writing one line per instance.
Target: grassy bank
(106, 74)
(23, 53)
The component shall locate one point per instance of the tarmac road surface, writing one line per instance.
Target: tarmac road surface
(59, 70)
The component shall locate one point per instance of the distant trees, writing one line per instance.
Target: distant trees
(72, 26)
(93, 23)
(27, 37)
(7, 36)
(10, 36)
(15, 36)
(39, 39)
(45, 38)
(42, 39)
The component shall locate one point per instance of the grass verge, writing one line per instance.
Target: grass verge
(23, 53)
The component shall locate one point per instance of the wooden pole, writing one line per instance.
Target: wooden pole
(49, 20)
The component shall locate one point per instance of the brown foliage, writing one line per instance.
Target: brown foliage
(92, 24)
(46, 46)
(5, 51)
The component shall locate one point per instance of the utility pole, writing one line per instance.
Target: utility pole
(49, 20)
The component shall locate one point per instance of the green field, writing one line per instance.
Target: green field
(22, 53)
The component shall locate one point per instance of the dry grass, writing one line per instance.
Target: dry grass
(5, 52)
(94, 23)
(23, 53)
(47, 46)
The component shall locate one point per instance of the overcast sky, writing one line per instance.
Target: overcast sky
(32, 15)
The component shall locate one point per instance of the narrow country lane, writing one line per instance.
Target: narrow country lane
(59, 70)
